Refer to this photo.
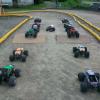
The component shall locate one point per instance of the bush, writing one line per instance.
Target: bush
(74, 3)
(62, 0)
(38, 1)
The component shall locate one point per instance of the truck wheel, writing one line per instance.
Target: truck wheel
(77, 35)
(83, 87)
(12, 81)
(1, 79)
(97, 75)
(14, 52)
(72, 34)
(85, 49)
(54, 29)
(64, 25)
(69, 35)
(81, 77)
(87, 55)
(26, 35)
(66, 30)
(17, 72)
(23, 58)
(35, 35)
(11, 58)
(74, 49)
(98, 87)
(76, 54)
(37, 20)
(47, 29)
(26, 52)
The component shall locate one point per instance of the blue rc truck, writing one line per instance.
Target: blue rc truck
(89, 80)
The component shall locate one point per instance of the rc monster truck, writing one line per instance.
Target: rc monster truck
(71, 31)
(19, 54)
(89, 80)
(65, 20)
(81, 51)
(37, 20)
(31, 33)
(50, 28)
(9, 74)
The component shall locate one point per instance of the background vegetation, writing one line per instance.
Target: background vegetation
(61, 4)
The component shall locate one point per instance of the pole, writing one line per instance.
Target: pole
(0, 7)
(56, 3)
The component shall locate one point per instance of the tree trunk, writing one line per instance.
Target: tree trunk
(15, 3)
(0, 7)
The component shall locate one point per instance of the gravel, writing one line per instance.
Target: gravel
(50, 72)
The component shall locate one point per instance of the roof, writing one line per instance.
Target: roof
(8, 66)
(90, 72)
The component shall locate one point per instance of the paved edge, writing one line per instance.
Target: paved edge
(87, 28)
(4, 37)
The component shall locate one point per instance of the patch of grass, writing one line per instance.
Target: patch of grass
(65, 4)
(72, 4)
(25, 8)
(69, 4)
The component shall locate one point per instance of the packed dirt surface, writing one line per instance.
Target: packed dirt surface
(90, 16)
(50, 72)
(7, 23)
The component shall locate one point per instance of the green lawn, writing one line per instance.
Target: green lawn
(62, 5)
(25, 8)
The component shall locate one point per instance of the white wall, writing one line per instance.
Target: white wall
(22, 2)
(7, 1)
(26, 2)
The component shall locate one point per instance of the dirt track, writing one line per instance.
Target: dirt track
(50, 72)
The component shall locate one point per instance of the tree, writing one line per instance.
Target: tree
(38, 1)
(15, 3)
(74, 3)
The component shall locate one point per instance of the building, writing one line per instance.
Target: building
(17, 2)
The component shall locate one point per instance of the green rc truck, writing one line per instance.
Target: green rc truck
(31, 33)
(8, 74)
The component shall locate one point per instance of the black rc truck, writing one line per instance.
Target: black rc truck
(8, 74)
(65, 20)
(89, 80)
(81, 51)
(19, 54)
(37, 20)
(71, 31)
(50, 28)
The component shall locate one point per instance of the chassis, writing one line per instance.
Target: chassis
(18, 54)
(71, 31)
(81, 51)
(8, 74)
(89, 80)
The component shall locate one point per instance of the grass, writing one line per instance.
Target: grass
(25, 8)
(65, 4)
(69, 4)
